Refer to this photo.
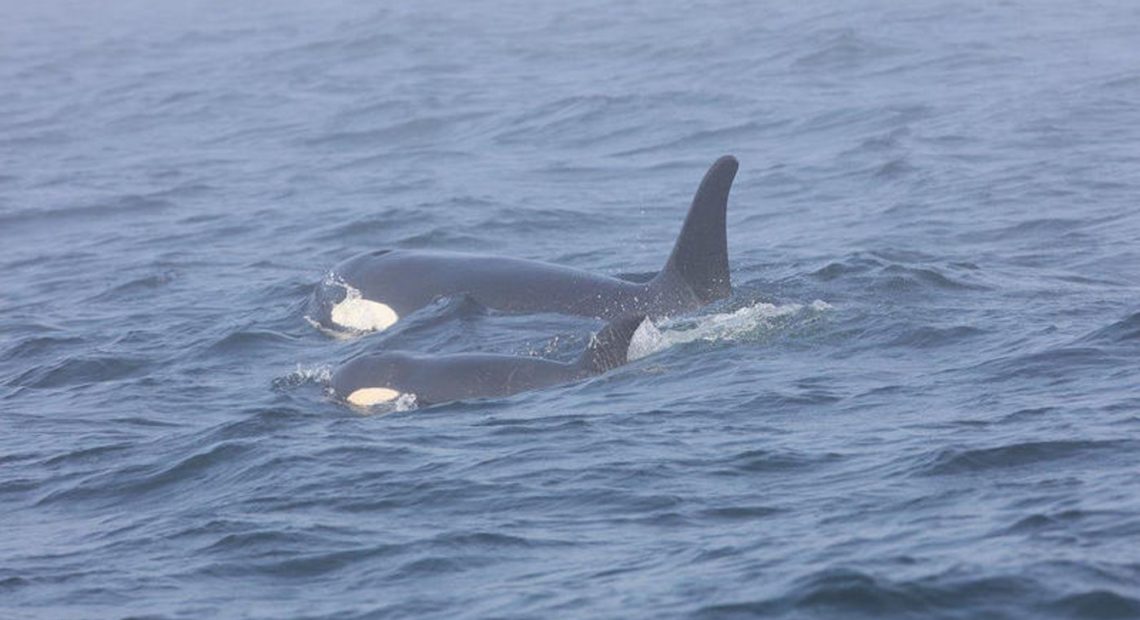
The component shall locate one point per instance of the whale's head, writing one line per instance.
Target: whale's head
(336, 305)
(370, 379)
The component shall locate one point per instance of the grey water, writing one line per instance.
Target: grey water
(921, 401)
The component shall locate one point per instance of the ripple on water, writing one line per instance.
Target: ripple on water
(776, 462)
(855, 593)
(1125, 331)
(850, 592)
(928, 337)
(133, 482)
(28, 348)
(959, 461)
(892, 278)
(81, 370)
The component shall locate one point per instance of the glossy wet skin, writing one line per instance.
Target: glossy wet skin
(408, 280)
(383, 377)
(438, 379)
(374, 290)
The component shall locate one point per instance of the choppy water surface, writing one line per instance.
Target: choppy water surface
(921, 401)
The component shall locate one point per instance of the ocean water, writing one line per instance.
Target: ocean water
(921, 402)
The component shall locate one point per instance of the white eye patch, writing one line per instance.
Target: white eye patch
(363, 314)
(366, 397)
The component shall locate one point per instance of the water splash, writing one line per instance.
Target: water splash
(750, 323)
(350, 302)
(304, 375)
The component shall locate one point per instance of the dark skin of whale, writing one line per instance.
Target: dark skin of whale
(443, 378)
(407, 280)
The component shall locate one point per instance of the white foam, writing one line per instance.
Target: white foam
(319, 375)
(748, 323)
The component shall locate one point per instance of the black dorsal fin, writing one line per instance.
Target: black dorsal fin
(700, 256)
(609, 348)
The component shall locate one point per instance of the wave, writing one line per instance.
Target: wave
(241, 341)
(842, 592)
(35, 346)
(928, 337)
(137, 287)
(1124, 331)
(210, 462)
(975, 460)
(117, 207)
(83, 370)
(891, 272)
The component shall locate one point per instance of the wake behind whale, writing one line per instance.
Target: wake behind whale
(373, 291)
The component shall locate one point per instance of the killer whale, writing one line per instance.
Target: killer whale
(372, 291)
(385, 377)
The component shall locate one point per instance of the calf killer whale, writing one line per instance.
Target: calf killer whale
(384, 377)
(373, 291)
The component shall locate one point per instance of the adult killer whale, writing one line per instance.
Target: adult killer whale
(383, 377)
(373, 291)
